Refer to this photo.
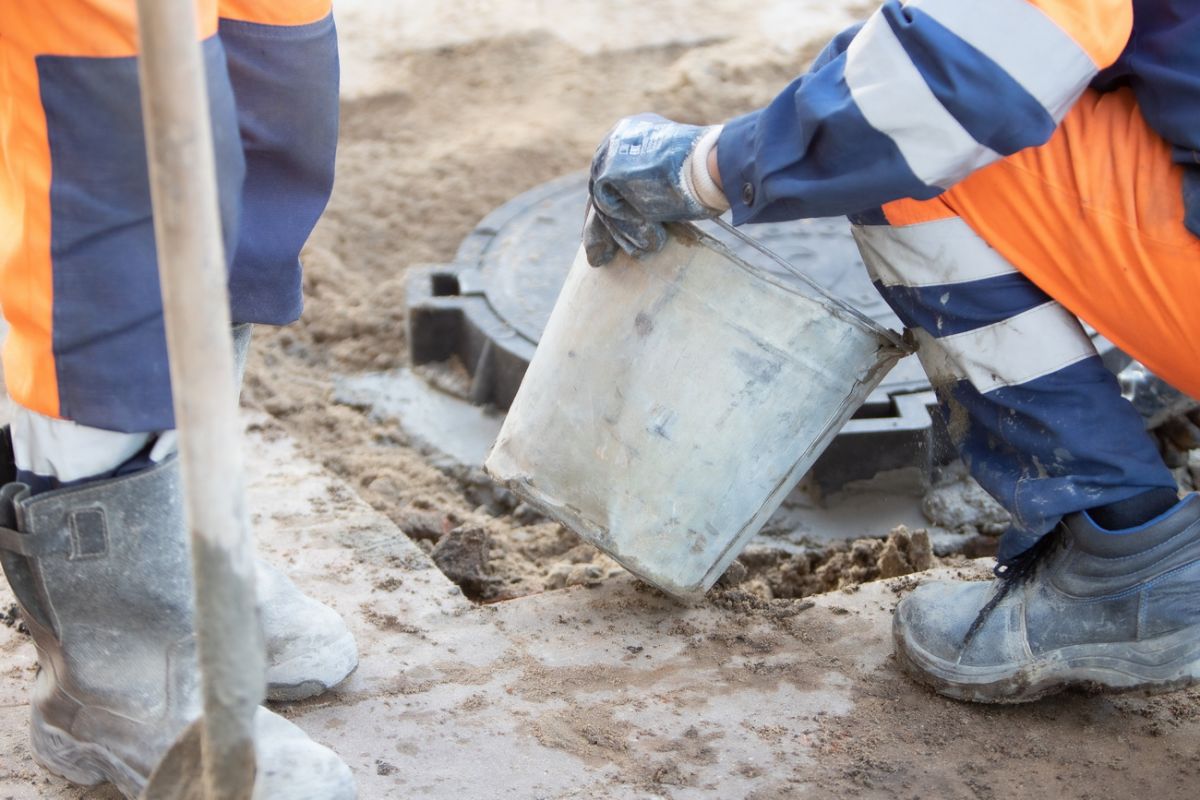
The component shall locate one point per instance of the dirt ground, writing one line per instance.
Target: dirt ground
(452, 107)
(465, 128)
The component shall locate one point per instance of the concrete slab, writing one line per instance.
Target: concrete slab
(456, 433)
(867, 509)
(449, 426)
(618, 692)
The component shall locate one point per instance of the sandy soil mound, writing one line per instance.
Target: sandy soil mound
(456, 131)
(466, 128)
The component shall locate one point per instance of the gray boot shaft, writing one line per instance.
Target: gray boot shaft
(103, 576)
(242, 333)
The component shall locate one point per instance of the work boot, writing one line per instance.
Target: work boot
(309, 648)
(103, 576)
(1086, 607)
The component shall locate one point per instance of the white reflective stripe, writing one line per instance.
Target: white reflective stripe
(896, 101)
(1014, 351)
(1024, 42)
(938, 253)
(68, 451)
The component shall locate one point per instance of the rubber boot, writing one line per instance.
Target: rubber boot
(1087, 607)
(102, 573)
(309, 647)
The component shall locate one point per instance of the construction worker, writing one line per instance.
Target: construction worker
(92, 536)
(1009, 167)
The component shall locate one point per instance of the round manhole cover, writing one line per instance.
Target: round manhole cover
(526, 256)
(490, 306)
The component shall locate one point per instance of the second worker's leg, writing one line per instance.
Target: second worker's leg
(1041, 424)
(1034, 413)
(283, 67)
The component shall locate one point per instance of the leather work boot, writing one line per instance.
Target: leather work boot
(103, 576)
(1088, 608)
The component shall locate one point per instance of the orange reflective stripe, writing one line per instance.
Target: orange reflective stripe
(28, 29)
(1095, 218)
(26, 278)
(26, 287)
(1100, 27)
(103, 28)
(914, 212)
(276, 12)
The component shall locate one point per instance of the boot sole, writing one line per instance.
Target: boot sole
(312, 674)
(1157, 665)
(82, 763)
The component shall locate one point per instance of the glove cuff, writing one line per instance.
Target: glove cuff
(699, 181)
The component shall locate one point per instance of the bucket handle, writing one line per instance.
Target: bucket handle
(890, 335)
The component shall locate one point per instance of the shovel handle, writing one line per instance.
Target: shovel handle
(192, 271)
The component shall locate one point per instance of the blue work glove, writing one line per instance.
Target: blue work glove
(648, 171)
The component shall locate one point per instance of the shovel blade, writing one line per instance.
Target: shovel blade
(180, 773)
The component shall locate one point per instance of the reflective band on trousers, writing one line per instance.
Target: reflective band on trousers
(939, 253)
(67, 451)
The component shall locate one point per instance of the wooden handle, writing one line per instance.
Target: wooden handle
(192, 270)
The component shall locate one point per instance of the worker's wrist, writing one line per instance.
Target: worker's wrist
(703, 179)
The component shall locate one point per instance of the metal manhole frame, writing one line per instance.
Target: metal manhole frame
(450, 315)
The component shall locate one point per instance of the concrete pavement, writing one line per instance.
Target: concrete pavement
(618, 692)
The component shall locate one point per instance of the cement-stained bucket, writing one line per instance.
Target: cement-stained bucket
(674, 401)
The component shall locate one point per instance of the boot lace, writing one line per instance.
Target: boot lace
(1011, 574)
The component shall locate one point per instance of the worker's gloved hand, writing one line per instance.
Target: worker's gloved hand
(648, 171)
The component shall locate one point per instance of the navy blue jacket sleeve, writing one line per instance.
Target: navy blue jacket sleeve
(905, 105)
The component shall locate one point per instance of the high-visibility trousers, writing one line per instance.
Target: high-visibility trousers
(994, 276)
(78, 276)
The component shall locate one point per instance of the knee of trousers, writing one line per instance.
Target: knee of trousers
(82, 297)
(1026, 398)
(975, 316)
(285, 79)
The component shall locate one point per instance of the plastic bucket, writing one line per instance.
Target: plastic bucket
(673, 402)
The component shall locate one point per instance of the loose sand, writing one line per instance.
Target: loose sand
(453, 107)
(439, 137)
